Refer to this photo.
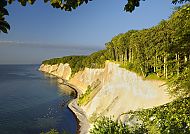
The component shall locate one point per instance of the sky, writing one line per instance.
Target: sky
(40, 32)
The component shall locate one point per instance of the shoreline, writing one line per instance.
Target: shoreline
(82, 121)
(83, 125)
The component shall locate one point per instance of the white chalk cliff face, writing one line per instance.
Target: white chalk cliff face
(123, 90)
(62, 70)
(120, 90)
(86, 77)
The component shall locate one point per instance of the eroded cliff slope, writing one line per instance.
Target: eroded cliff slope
(118, 91)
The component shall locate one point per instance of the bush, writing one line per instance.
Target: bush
(52, 131)
(171, 118)
(106, 125)
(84, 98)
(179, 86)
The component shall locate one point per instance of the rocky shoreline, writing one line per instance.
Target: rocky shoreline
(83, 124)
(81, 118)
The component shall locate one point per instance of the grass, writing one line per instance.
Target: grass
(89, 94)
(150, 76)
(153, 76)
(84, 98)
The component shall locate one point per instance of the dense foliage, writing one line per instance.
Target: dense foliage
(162, 50)
(131, 4)
(180, 86)
(83, 98)
(77, 63)
(171, 118)
(105, 125)
(66, 5)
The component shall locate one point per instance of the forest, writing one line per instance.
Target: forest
(162, 51)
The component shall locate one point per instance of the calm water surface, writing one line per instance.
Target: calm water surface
(31, 102)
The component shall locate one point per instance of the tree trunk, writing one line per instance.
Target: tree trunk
(177, 62)
(114, 55)
(165, 67)
(129, 54)
(142, 72)
(155, 63)
(178, 65)
(126, 55)
(185, 58)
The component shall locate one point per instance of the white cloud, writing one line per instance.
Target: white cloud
(46, 45)
(8, 42)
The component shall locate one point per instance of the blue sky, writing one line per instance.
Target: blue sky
(39, 32)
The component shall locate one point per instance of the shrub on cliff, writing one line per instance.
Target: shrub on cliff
(171, 118)
(84, 98)
(105, 125)
(180, 86)
(54, 131)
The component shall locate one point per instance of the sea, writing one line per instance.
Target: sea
(31, 102)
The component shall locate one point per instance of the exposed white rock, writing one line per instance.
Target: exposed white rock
(53, 69)
(86, 77)
(62, 70)
(123, 90)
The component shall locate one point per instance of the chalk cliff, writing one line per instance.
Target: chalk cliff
(62, 71)
(119, 90)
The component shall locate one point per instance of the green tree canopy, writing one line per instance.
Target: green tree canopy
(66, 5)
(161, 51)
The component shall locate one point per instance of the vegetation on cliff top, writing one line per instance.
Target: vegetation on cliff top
(75, 62)
(78, 63)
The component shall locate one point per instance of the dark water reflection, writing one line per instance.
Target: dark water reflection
(31, 102)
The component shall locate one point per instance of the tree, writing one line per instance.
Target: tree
(4, 26)
(131, 4)
(67, 5)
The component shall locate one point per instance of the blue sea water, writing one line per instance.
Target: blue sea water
(31, 102)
